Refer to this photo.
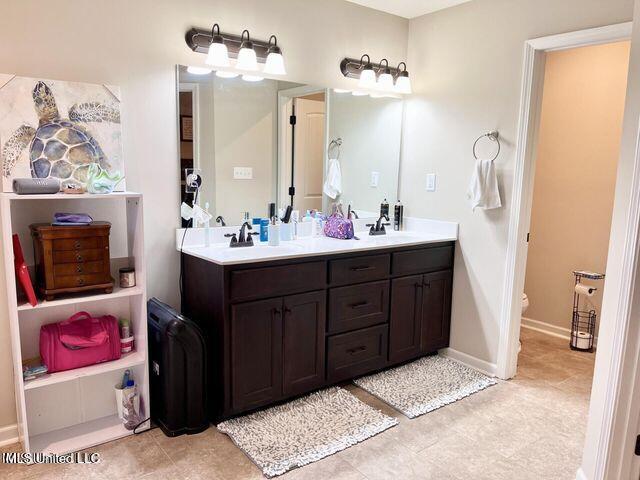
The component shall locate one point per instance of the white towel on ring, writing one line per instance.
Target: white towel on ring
(333, 183)
(483, 189)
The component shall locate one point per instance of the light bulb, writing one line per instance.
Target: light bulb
(403, 84)
(199, 70)
(226, 74)
(252, 78)
(367, 78)
(385, 82)
(218, 55)
(275, 64)
(247, 60)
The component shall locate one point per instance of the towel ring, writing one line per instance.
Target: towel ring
(334, 143)
(494, 136)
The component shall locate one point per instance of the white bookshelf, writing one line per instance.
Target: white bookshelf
(72, 410)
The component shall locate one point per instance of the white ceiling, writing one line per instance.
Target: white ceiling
(408, 8)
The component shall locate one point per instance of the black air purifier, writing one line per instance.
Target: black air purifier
(177, 367)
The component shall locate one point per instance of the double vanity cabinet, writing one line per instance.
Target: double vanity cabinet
(280, 328)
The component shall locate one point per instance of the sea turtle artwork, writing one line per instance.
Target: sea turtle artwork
(61, 145)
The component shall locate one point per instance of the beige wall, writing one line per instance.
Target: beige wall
(137, 44)
(575, 176)
(466, 68)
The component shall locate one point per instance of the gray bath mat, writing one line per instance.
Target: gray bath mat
(305, 430)
(424, 385)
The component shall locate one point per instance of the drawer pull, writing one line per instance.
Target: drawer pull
(79, 269)
(362, 268)
(287, 310)
(427, 284)
(77, 244)
(79, 257)
(355, 306)
(81, 281)
(353, 351)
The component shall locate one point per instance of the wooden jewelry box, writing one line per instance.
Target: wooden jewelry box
(72, 259)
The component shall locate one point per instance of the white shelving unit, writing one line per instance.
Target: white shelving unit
(67, 411)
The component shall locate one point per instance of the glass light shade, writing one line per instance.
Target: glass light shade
(358, 93)
(385, 82)
(226, 74)
(275, 64)
(247, 59)
(403, 85)
(367, 79)
(218, 55)
(252, 78)
(199, 70)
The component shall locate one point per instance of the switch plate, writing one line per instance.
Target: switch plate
(375, 179)
(431, 182)
(242, 173)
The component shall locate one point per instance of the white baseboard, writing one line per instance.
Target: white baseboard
(9, 435)
(549, 329)
(471, 361)
(580, 475)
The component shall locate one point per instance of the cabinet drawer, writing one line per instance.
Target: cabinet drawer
(359, 269)
(78, 256)
(358, 306)
(70, 281)
(77, 268)
(274, 281)
(422, 261)
(77, 243)
(356, 353)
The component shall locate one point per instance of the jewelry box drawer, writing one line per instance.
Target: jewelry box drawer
(78, 256)
(356, 353)
(77, 243)
(358, 306)
(77, 268)
(71, 281)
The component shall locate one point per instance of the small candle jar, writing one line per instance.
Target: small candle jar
(127, 277)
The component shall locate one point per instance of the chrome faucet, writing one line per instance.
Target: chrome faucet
(378, 227)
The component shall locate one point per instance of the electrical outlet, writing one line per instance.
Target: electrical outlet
(242, 173)
(431, 182)
(375, 179)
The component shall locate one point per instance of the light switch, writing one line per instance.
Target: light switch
(375, 178)
(431, 182)
(242, 173)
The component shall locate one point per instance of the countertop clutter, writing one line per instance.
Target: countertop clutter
(422, 232)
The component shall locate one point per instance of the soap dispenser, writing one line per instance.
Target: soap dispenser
(274, 232)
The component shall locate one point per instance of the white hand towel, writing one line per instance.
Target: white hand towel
(333, 183)
(483, 189)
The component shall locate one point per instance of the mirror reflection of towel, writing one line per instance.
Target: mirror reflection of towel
(483, 189)
(333, 182)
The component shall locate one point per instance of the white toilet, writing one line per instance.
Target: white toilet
(525, 303)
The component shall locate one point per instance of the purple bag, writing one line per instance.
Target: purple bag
(337, 226)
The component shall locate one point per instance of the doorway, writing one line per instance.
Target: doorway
(303, 130)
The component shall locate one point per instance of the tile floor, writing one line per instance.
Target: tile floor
(531, 427)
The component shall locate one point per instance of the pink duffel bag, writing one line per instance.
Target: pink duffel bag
(79, 341)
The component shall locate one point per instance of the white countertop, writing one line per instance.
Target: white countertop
(222, 254)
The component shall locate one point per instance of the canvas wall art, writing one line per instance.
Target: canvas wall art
(58, 129)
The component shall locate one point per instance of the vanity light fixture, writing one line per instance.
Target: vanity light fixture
(252, 78)
(403, 84)
(275, 62)
(365, 72)
(341, 90)
(218, 55)
(226, 74)
(359, 93)
(199, 70)
(367, 75)
(385, 79)
(247, 59)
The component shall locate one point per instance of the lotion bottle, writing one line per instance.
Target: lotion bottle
(274, 232)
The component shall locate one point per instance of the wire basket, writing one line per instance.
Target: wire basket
(583, 327)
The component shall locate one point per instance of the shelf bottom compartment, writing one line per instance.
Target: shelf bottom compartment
(81, 436)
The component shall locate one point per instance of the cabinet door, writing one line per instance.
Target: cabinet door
(256, 353)
(436, 311)
(406, 317)
(304, 346)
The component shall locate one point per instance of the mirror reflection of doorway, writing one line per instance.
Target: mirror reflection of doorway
(308, 151)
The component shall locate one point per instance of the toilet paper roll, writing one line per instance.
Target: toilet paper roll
(585, 290)
(581, 340)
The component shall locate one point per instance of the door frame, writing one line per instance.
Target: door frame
(285, 97)
(614, 391)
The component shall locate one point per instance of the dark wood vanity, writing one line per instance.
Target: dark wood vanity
(277, 329)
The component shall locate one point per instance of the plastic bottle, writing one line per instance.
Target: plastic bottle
(264, 230)
(274, 232)
(129, 412)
